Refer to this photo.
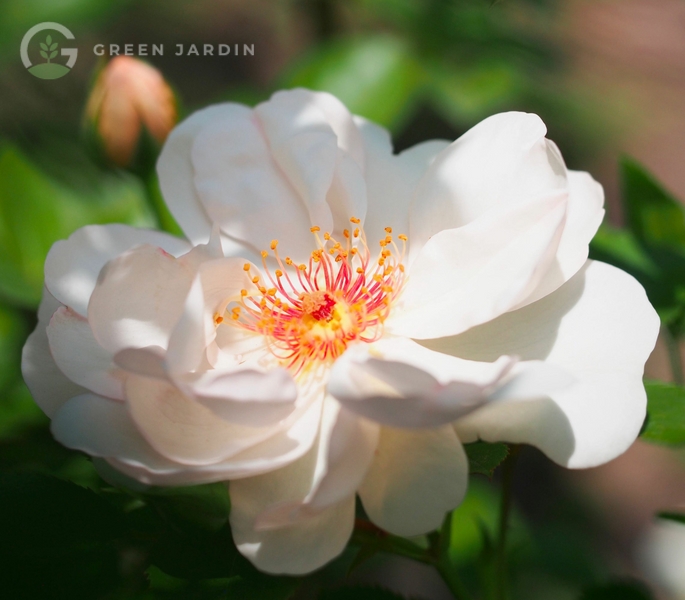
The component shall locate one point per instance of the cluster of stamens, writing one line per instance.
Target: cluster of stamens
(309, 313)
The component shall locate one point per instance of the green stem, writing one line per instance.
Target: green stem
(505, 512)
(675, 356)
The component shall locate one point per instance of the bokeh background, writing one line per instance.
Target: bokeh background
(608, 78)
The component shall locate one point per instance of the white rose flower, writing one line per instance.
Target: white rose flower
(342, 320)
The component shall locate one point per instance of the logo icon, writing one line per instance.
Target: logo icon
(48, 49)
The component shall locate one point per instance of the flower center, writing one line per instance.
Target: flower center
(310, 313)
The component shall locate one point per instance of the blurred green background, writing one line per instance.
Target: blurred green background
(606, 77)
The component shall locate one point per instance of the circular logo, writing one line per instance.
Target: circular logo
(49, 49)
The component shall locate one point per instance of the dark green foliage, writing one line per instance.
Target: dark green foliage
(665, 414)
(484, 458)
(617, 591)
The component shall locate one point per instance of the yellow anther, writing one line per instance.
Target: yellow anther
(262, 289)
(353, 251)
(383, 243)
(388, 229)
(279, 273)
(386, 253)
(346, 233)
(315, 229)
(360, 270)
(255, 279)
(218, 319)
(387, 289)
(388, 239)
(246, 267)
(288, 261)
(381, 261)
(356, 232)
(274, 243)
(235, 316)
(302, 267)
(402, 237)
(264, 254)
(271, 291)
(401, 268)
(387, 271)
(235, 309)
(355, 220)
(326, 236)
(243, 293)
(377, 278)
(364, 290)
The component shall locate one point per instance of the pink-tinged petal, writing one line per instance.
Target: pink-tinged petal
(599, 327)
(285, 446)
(338, 463)
(584, 216)
(80, 357)
(310, 498)
(391, 179)
(217, 283)
(503, 161)
(104, 428)
(182, 429)
(400, 383)
(49, 387)
(138, 299)
(295, 550)
(467, 276)
(314, 140)
(246, 396)
(176, 175)
(73, 265)
(242, 188)
(416, 477)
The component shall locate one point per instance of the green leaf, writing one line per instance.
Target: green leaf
(628, 590)
(665, 414)
(36, 211)
(48, 40)
(58, 539)
(359, 592)
(53, 46)
(376, 77)
(203, 507)
(43, 54)
(672, 516)
(654, 215)
(43, 46)
(484, 458)
(53, 54)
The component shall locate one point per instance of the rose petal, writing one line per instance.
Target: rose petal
(466, 276)
(80, 357)
(600, 327)
(503, 161)
(49, 387)
(73, 265)
(415, 478)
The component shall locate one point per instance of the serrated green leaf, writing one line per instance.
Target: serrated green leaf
(361, 72)
(484, 458)
(628, 590)
(672, 516)
(653, 214)
(360, 592)
(665, 414)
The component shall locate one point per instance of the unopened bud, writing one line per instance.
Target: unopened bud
(127, 96)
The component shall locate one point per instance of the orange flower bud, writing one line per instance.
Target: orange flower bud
(128, 95)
